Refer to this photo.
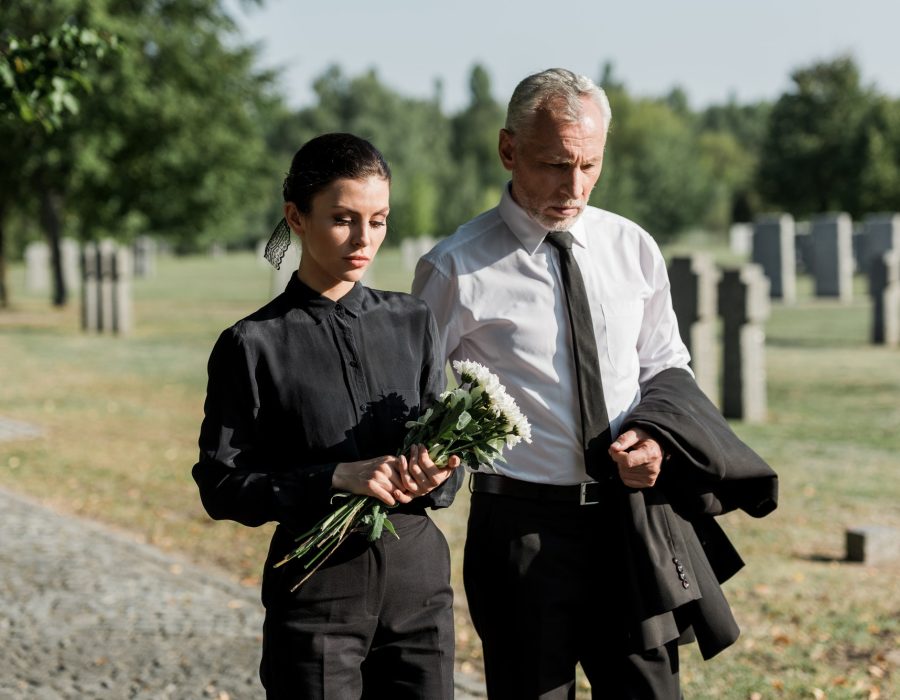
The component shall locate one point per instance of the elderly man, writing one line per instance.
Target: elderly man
(583, 548)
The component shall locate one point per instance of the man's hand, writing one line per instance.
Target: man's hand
(639, 458)
(422, 474)
(379, 477)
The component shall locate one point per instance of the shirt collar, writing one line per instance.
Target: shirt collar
(319, 307)
(529, 232)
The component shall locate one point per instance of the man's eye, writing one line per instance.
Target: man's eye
(378, 224)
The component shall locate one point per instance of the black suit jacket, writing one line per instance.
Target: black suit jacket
(676, 553)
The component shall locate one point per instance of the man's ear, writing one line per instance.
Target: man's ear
(507, 149)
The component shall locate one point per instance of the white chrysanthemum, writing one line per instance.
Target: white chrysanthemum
(475, 372)
(500, 402)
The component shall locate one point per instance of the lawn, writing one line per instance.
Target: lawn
(120, 419)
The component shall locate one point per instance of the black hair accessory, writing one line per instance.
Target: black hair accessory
(278, 244)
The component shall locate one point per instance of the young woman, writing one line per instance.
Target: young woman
(308, 397)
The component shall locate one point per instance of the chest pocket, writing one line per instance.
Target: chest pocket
(623, 326)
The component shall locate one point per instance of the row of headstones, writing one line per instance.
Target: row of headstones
(38, 271)
(826, 247)
(701, 293)
(106, 301)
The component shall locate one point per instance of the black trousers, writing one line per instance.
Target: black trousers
(541, 581)
(375, 622)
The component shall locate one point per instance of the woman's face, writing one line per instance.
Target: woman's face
(341, 233)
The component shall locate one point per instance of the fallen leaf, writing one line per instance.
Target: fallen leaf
(876, 671)
(818, 694)
(781, 638)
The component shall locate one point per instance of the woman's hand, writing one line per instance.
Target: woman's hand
(379, 477)
(422, 475)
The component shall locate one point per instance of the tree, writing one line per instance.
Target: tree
(736, 133)
(478, 176)
(653, 171)
(41, 77)
(172, 140)
(832, 144)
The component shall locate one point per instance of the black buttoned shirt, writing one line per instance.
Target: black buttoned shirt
(305, 383)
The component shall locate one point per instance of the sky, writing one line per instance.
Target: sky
(713, 49)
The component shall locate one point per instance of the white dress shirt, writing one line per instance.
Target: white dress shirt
(496, 291)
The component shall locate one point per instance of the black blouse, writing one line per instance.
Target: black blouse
(305, 383)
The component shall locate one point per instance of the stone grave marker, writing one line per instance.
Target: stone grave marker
(694, 280)
(833, 255)
(744, 306)
(884, 288)
(773, 251)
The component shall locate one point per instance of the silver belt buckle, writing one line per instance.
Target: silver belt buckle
(583, 497)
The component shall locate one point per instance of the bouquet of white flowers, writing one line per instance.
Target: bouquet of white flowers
(474, 421)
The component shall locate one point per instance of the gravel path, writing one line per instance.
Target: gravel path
(87, 613)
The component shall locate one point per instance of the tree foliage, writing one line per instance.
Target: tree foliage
(171, 139)
(832, 144)
(41, 75)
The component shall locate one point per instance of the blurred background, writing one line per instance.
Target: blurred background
(165, 127)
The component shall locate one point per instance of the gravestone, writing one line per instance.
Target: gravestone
(740, 237)
(884, 288)
(105, 253)
(694, 281)
(70, 252)
(873, 544)
(804, 262)
(37, 267)
(773, 251)
(144, 251)
(744, 306)
(122, 273)
(90, 287)
(106, 304)
(881, 233)
(833, 255)
(858, 244)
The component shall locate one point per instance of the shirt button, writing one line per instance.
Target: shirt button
(354, 364)
(685, 584)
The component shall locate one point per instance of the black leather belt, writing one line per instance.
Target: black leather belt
(584, 494)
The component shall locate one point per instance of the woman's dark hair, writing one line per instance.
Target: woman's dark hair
(329, 157)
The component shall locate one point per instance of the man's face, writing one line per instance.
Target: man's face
(555, 164)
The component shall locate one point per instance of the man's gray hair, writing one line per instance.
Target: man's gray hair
(557, 86)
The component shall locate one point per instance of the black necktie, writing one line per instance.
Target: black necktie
(595, 432)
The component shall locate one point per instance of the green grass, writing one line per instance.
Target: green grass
(120, 419)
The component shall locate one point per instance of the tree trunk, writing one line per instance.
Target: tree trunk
(51, 209)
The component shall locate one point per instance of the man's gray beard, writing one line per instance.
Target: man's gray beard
(555, 224)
